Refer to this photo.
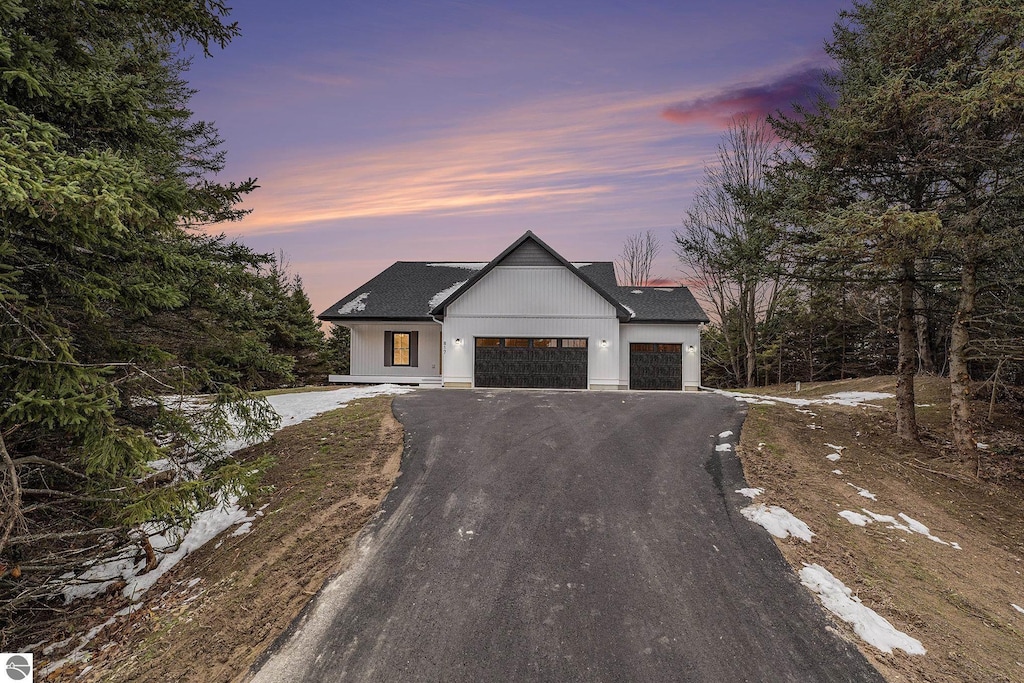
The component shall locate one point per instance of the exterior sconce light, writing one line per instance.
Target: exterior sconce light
(458, 341)
(691, 348)
(604, 343)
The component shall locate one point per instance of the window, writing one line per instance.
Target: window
(517, 343)
(545, 343)
(401, 349)
(574, 343)
(488, 341)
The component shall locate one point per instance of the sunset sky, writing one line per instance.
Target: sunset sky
(401, 130)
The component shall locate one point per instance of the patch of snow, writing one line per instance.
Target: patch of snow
(855, 518)
(665, 289)
(761, 445)
(814, 426)
(749, 492)
(837, 471)
(843, 398)
(853, 398)
(465, 265)
(836, 448)
(834, 457)
(172, 546)
(912, 526)
(1017, 607)
(723, 447)
(863, 492)
(637, 291)
(807, 412)
(355, 305)
(725, 435)
(580, 265)
(443, 294)
(242, 529)
(632, 313)
(982, 446)
(868, 624)
(778, 521)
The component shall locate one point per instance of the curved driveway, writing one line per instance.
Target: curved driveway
(565, 536)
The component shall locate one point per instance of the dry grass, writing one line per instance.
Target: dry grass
(958, 603)
(331, 475)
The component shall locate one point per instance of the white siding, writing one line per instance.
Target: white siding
(531, 301)
(687, 335)
(534, 291)
(367, 355)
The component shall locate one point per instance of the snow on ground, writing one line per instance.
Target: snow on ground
(725, 435)
(867, 623)
(722, 447)
(778, 521)
(443, 294)
(842, 398)
(909, 524)
(1017, 607)
(173, 545)
(863, 492)
(838, 449)
(750, 493)
(356, 305)
(834, 457)
(837, 471)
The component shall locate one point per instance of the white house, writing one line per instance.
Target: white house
(528, 318)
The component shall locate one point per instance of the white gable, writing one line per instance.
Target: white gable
(529, 292)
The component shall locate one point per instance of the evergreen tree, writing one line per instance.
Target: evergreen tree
(109, 302)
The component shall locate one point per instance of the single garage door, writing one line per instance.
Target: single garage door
(656, 366)
(530, 363)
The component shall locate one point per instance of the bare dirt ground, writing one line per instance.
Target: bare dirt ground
(220, 608)
(959, 604)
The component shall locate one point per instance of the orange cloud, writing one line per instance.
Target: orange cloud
(552, 154)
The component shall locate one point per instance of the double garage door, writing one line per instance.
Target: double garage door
(562, 364)
(530, 363)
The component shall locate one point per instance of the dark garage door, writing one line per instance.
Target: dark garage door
(532, 363)
(656, 366)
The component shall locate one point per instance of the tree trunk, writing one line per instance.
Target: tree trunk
(959, 374)
(924, 340)
(750, 337)
(906, 358)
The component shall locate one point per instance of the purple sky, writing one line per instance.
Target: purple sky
(404, 130)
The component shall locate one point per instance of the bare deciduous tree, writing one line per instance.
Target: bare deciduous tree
(637, 259)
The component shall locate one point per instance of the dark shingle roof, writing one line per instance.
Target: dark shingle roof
(408, 290)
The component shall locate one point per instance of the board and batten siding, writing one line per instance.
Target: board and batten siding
(531, 301)
(367, 351)
(687, 335)
(534, 291)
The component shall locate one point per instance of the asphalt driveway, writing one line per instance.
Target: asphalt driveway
(565, 536)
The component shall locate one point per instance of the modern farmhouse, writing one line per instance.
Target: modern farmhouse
(528, 318)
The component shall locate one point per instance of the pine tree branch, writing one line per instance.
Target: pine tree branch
(37, 460)
(12, 512)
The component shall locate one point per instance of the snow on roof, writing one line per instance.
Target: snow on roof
(443, 294)
(356, 305)
(778, 521)
(868, 624)
(632, 313)
(636, 291)
(457, 264)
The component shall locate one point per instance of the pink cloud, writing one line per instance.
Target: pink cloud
(757, 100)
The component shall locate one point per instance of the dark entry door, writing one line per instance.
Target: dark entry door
(530, 363)
(656, 366)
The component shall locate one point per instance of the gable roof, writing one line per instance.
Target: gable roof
(415, 290)
(529, 238)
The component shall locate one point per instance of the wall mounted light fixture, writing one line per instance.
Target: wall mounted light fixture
(458, 341)
(604, 343)
(691, 348)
